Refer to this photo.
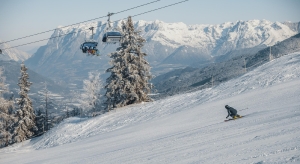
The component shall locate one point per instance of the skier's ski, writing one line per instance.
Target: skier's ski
(233, 119)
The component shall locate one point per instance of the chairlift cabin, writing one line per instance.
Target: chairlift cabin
(0, 51)
(90, 46)
(112, 37)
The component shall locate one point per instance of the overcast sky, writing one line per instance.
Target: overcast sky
(19, 18)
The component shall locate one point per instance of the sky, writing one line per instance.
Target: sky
(19, 18)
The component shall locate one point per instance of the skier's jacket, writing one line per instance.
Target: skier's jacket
(231, 111)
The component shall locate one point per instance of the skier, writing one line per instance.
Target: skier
(232, 112)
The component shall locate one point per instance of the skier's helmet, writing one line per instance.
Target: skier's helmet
(226, 106)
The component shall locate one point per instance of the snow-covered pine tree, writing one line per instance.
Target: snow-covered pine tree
(7, 118)
(130, 73)
(91, 96)
(25, 126)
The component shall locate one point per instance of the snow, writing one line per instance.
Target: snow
(186, 128)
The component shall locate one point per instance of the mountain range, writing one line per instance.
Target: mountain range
(167, 43)
(169, 46)
(190, 78)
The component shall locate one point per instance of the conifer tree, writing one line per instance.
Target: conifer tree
(7, 118)
(130, 73)
(25, 126)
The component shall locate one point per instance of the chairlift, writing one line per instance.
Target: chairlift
(90, 46)
(0, 51)
(111, 36)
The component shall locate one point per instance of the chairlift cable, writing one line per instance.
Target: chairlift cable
(145, 11)
(159, 8)
(78, 23)
(39, 40)
(96, 26)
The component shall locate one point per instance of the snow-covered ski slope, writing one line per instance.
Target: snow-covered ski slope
(186, 128)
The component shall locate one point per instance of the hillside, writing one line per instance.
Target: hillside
(186, 128)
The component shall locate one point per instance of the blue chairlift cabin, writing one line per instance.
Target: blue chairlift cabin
(112, 37)
(90, 46)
